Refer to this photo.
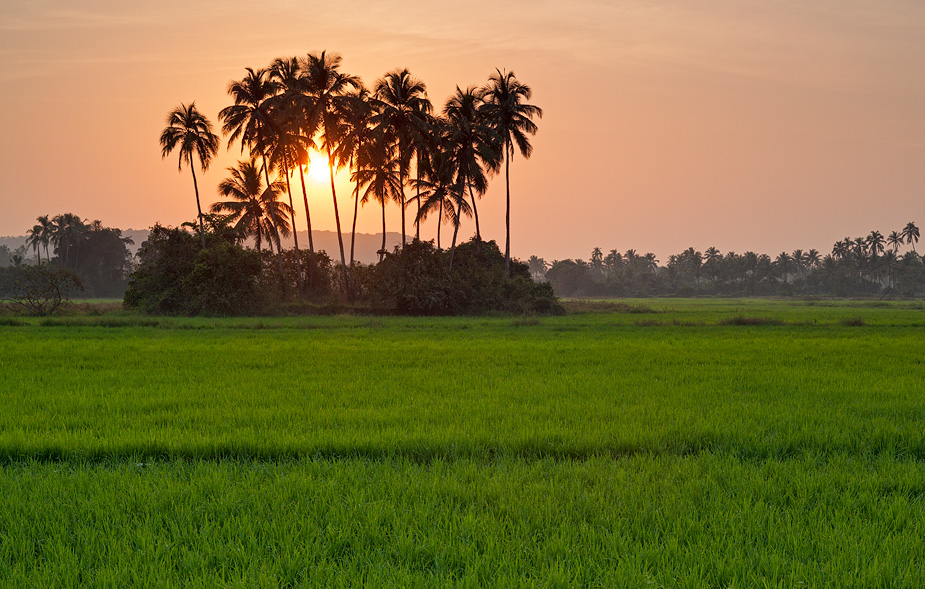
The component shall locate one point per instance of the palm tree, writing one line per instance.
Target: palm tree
(812, 258)
(377, 168)
(353, 141)
(402, 114)
(538, 267)
(191, 131)
(67, 232)
(47, 227)
(911, 233)
(249, 117)
(875, 243)
(330, 89)
(256, 211)
(474, 143)
(895, 240)
(34, 239)
(295, 104)
(512, 118)
(285, 149)
(442, 190)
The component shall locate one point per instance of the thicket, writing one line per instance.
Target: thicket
(177, 276)
(418, 280)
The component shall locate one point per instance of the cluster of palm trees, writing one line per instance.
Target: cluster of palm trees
(64, 232)
(396, 148)
(99, 255)
(872, 265)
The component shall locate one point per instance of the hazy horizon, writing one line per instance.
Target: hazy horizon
(766, 127)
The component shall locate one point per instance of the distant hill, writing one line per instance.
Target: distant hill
(367, 244)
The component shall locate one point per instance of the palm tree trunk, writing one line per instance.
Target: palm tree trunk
(356, 210)
(507, 213)
(308, 217)
(340, 238)
(202, 232)
(402, 204)
(382, 249)
(279, 258)
(439, 224)
(478, 233)
(417, 197)
(295, 236)
(455, 233)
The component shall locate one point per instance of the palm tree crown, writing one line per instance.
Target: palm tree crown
(257, 212)
(191, 132)
(512, 117)
(403, 112)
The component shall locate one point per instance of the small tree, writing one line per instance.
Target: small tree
(43, 289)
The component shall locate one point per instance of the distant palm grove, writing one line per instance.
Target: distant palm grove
(864, 266)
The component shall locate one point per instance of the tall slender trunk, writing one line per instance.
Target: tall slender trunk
(279, 251)
(507, 214)
(455, 233)
(439, 224)
(478, 233)
(401, 180)
(308, 216)
(202, 232)
(356, 210)
(279, 258)
(340, 238)
(382, 249)
(417, 196)
(295, 236)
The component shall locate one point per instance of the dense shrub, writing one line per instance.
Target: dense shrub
(176, 276)
(278, 276)
(419, 281)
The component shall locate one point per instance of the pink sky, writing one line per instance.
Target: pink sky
(766, 126)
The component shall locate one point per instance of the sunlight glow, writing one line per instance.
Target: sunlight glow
(318, 168)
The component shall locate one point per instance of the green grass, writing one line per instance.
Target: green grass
(695, 443)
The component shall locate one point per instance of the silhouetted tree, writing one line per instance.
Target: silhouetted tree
(191, 132)
(512, 118)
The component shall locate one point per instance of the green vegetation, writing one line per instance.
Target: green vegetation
(864, 266)
(648, 442)
(176, 276)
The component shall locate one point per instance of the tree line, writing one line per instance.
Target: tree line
(97, 256)
(389, 138)
(875, 265)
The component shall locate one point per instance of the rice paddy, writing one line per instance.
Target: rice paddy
(642, 443)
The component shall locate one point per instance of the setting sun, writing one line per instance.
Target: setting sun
(318, 166)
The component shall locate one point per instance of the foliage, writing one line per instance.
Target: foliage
(856, 267)
(417, 280)
(176, 276)
(317, 269)
(42, 289)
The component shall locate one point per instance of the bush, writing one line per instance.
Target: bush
(418, 281)
(176, 276)
(317, 273)
(43, 289)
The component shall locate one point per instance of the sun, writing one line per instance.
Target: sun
(318, 169)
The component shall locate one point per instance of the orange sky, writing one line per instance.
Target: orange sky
(768, 125)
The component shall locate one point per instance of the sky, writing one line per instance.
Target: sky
(741, 124)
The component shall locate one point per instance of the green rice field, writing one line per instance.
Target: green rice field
(641, 443)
